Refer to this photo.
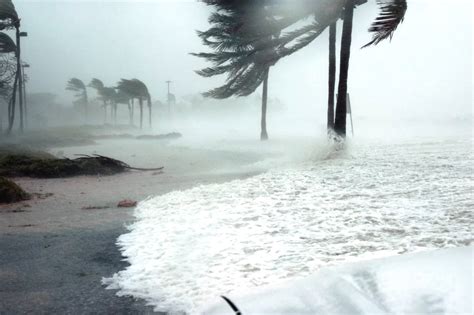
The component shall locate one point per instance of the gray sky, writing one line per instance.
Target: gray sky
(427, 66)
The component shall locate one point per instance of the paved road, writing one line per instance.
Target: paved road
(60, 273)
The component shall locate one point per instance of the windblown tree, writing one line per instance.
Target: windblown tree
(297, 24)
(82, 100)
(9, 20)
(97, 85)
(8, 76)
(136, 89)
(123, 98)
(232, 39)
(110, 95)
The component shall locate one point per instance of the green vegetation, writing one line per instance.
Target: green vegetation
(44, 165)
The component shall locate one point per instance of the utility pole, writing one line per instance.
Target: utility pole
(169, 96)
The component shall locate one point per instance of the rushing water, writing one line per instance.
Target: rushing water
(368, 200)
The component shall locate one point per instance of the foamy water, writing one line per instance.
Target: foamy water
(187, 247)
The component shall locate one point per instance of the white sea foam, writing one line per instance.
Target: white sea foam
(371, 200)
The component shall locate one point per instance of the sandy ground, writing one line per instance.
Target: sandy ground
(54, 250)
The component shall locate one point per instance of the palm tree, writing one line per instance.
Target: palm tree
(123, 98)
(297, 31)
(9, 70)
(392, 14)
(332, 75)
(78, 86)
(136, 89)
(110, 95)
(234, 43)
(9, 19)
(97, 85)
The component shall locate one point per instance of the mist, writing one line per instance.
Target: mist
(427, 65)
(120, 196)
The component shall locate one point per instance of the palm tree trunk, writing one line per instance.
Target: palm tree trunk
(140, 102)
(86, 106)
(332, 75)
(105, 112)
(115, 112)
(130, 117)
(341, 107)
(263, 122)
(11, 105)
(149, 111)
(133, 111)
(20, 80)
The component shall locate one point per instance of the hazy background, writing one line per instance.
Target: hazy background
(425, 73)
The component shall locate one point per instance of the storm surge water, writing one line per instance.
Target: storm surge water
(371, 199)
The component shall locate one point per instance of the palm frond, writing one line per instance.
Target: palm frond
(96, 84)
(75, 85)
(7, 45)
(8, 15)
(392, 14)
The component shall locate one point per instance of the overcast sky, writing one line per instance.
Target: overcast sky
(427, 66)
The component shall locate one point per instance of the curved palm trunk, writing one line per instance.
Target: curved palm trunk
(133, 112)
(105, 112)
(20, 79)
(140, 103)
(114, 108)
(130, 117)
(86, 106)
(341, 106)
(149, 111)
(263, 122)
(332, 75)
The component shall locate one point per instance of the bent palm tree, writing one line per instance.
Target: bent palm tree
(296, 33)
(7, 46)
(235, 27)
(97, 85)
(8, 20)
(136, 89)
(78, 86)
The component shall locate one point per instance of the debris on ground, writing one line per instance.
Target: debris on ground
(12, 164)
(95, 207)
(127, 203)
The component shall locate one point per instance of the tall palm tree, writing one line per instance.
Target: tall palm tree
(110, 95)
(341, 105)
(391, 15)
(7, 46)
(123, 98)
(332, 75)
(297, 31)
(78, 86)
(237, 28)
(136, 89)
(9, 19)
